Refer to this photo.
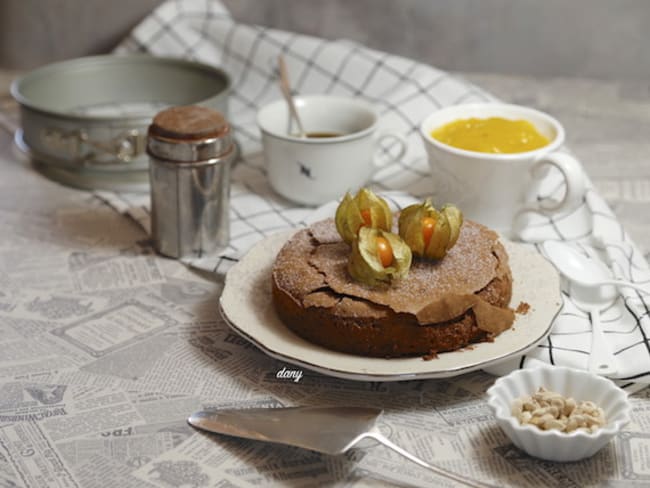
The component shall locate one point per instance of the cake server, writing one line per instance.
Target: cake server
(329, 430)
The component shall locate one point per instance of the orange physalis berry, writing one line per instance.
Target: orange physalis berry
(384, 251)
(364, 210)
(428, 224)
(367, 219)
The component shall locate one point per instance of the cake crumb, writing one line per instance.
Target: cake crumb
(522, 308)
(430, 355)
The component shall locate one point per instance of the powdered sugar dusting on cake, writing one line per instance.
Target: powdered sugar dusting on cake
(324, 231)
(468, 267)
(291, 271)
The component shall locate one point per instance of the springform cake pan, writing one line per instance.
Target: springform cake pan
(84, 121)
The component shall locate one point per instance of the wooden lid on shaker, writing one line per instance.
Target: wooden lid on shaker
(189, 133)
(189, 122)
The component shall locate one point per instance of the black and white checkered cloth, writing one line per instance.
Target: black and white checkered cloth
(404, 92)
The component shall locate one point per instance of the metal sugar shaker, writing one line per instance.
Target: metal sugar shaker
(191, 151)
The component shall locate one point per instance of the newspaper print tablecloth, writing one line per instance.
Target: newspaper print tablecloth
(105, 348)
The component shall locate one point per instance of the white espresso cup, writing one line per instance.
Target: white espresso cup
(340, 154)
(499, 190)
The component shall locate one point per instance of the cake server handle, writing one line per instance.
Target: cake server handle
(379, 437)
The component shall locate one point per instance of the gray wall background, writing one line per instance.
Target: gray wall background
(607, 39)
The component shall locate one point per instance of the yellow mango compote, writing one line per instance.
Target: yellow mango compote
(494, 135)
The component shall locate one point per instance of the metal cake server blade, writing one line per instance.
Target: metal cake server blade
(329, 430)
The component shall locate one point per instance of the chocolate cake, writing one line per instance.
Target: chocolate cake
(440, 306)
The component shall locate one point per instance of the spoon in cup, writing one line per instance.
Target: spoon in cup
(285, 87)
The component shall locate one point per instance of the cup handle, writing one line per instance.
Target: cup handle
(575, 187)
(403, 146)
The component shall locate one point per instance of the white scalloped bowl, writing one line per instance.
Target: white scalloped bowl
(553, 445)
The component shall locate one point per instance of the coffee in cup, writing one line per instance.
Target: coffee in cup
(338, 154)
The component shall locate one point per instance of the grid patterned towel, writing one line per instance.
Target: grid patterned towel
(404, 92)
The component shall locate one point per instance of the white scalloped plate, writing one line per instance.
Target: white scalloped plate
(247, 306)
